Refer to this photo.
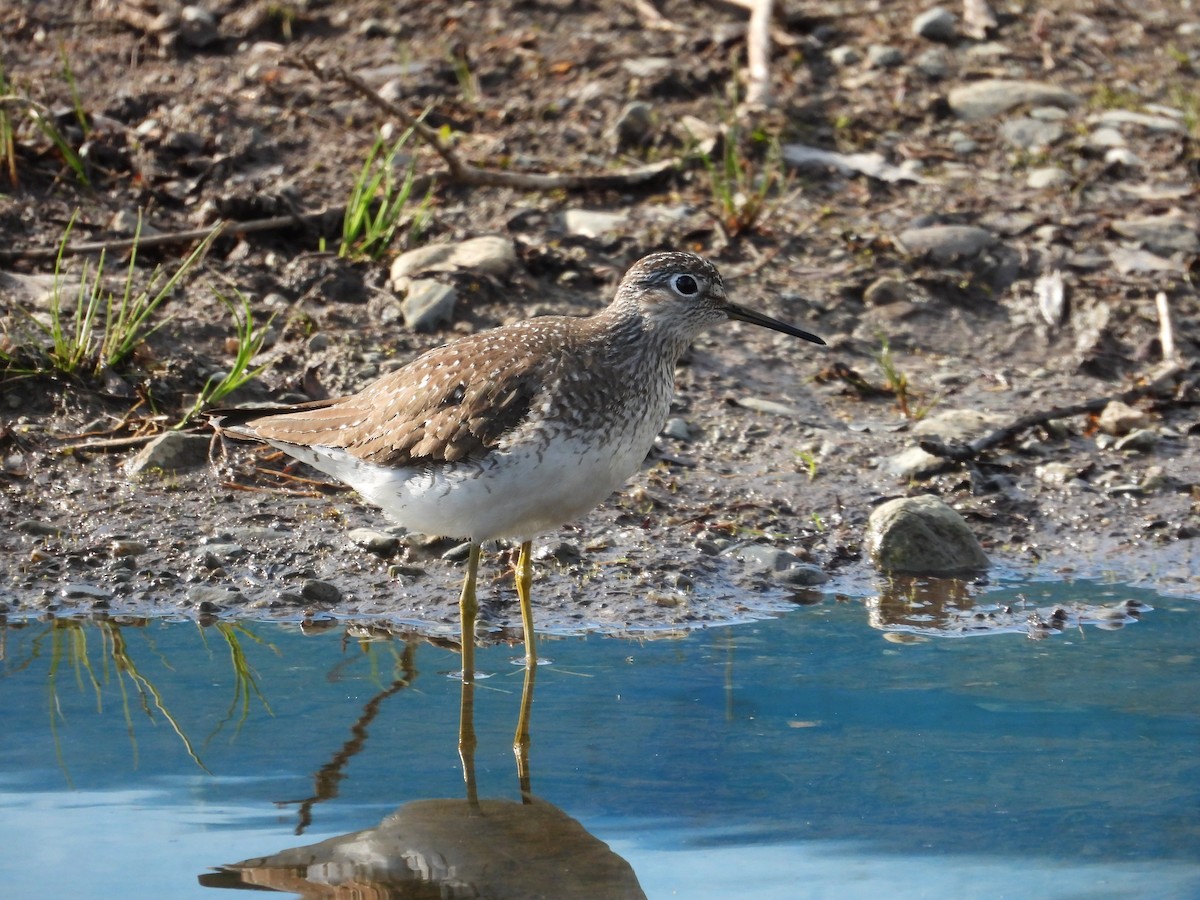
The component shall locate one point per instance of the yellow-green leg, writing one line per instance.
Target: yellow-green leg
(468, 608)
(524, 579)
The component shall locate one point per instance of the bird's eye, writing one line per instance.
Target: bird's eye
(685, 285)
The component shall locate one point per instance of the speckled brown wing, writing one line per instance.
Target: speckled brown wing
(453, 403)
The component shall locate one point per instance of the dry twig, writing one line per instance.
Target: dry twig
(462, 172)
(1156, 382)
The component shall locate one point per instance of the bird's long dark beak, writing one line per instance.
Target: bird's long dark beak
(756, 318)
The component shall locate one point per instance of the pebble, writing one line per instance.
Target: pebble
(1103, 138)
(946, 243)
(936, 24)
(1165, 233)
(881, 56)
(171, 452)
(212, 597)
(1058, 474)
(913, 463)
(1047, 177)
(592, 223)
(34, 526)
(1122, 156)
(377, 542)
(959, 424)
(1141, 440)
(198, 27)
(1031, 134)
(991, 97)
(771, 407)
(487, 255)
(316, 591)
(884, 291)
(1119, 418)
(223, 552)
(933, 63)
(678, 429)
(1115, 118)
(123, 547)
(82, 591)
(428, 305)
(634, 127)
(844, 56)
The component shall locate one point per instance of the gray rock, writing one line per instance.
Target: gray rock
(770, 407)
(315, 591)
(936, 24)
(428, 304)
(844, 56)
(1058, 474)
(198, 27)
(946, 243)
(959, 424)
(647, 66)
(1031, 134)
(993, 96)
(634, 126)
(1115, 118)
(922, 536)
(933, 63)
(678, 429)
(1103, 138)
(82, 591)
(1119, 418)
(592, 223)
(222, 551)
(880, 56)
(1165, 234)
(377, 542)
(211, 597)
(488, 255)
(913, 463)
(172, 452)
(779, 564)
(33, 526)
(1122, 156)
(1142, 439)
(883, 291)
(1047, 178)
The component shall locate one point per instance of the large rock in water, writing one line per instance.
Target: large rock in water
(922, 536)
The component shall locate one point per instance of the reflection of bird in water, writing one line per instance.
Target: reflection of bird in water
(449, 848)
(511, 432)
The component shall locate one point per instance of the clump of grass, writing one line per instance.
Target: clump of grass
(744, 191)
(250, 339)
(896, 381)
(808, 459)
(105, 328)
(15, 107)
(377, 203)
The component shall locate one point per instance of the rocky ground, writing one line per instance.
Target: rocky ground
(992, 225)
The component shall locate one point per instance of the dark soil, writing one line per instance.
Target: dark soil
(194, 124)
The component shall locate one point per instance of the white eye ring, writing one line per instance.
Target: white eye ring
(685, 285)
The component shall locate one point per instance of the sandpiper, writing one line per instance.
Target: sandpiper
(511, 432)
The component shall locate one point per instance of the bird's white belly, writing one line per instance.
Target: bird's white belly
(516, 492)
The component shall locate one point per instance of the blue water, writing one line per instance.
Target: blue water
(802, 756)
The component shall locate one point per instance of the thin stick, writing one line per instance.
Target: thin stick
(960, 452)
(465, 173)
(758, 52)
(175, 237)
(1166, 333)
